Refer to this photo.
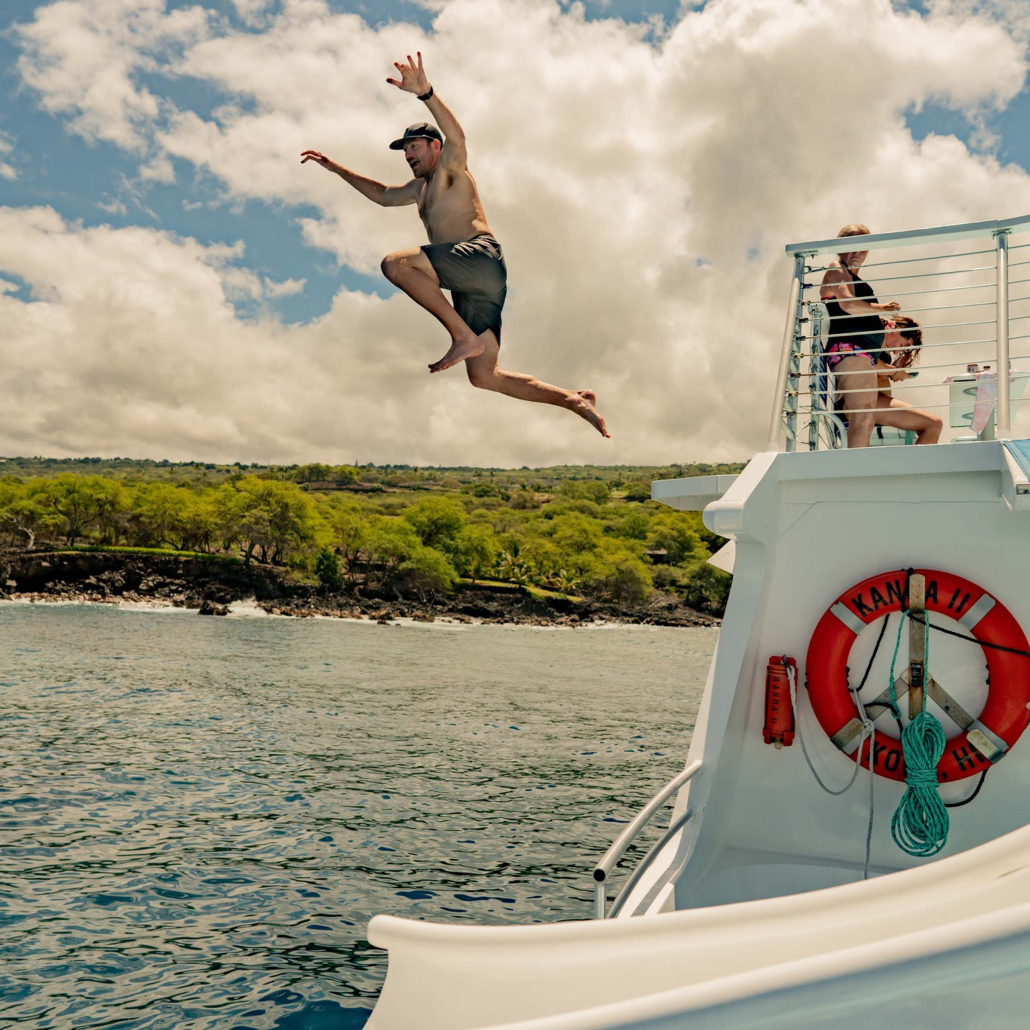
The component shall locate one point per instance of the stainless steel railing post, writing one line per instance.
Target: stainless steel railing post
(1003, 412)
(790, 398)
(787, 354)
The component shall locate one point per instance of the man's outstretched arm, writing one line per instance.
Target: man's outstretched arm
(384, 196)
(413, 80)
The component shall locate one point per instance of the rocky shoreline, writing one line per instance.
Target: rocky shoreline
(210, 585)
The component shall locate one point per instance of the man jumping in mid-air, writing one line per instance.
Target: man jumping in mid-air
(462, 256)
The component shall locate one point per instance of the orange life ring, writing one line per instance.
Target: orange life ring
(1004, 716)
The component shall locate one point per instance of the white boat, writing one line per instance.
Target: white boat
(770, 901)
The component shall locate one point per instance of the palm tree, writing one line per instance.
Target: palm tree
(563, 582)
(513, 567)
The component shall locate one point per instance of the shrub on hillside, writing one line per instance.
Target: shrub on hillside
(625, 580)
(328, 572)
(707, 588)
(638, 491)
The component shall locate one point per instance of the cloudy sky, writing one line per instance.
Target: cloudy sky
(174, 284)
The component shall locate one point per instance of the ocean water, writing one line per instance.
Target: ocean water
(198, 816)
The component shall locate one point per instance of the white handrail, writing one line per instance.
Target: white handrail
(934, 234)
(645, 862)
(611, 857)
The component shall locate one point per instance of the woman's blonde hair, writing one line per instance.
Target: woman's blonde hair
(854, 229)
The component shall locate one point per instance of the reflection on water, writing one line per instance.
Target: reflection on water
(198, 817)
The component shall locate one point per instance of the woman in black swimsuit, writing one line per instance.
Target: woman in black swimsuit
(856, 337)
(860, 357)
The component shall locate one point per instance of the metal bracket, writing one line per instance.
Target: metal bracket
(847, 738)
(981, 737)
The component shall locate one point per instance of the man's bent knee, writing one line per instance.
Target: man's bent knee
(481, 378)
(391, 265)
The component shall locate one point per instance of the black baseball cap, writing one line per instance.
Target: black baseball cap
(420, 130)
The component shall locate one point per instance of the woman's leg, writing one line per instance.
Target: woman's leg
(904, 416)
(856, 381)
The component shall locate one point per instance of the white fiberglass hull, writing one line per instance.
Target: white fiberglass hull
(945, 945)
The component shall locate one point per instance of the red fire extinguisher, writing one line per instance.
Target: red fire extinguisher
(779, 712)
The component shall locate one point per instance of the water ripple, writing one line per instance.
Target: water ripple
(198, 817)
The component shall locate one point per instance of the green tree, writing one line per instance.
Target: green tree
(327, 571)
(274, 516)
(199, 523)
(81, 502)
(388, 543)
(707, 589)
(514, 566)
(343, 475)
(674, 534)
(623, 578)
(563, 582)
(348, 530)
(575, 533)
(474, 552)
(524, 499)
(426, 571)
(544, 556)
(640, 491)
(572, 489)
(158, 514)
(23, 517)
(313, 473)
(438, 521)
(633, 525)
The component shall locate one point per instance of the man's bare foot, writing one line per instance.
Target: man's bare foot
(583, 405)
(465, 347)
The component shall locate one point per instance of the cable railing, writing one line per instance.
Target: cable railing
(962, 350)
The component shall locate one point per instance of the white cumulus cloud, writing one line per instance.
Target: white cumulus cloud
(642, 191)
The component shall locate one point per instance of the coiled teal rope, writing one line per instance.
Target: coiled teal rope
(921, 822)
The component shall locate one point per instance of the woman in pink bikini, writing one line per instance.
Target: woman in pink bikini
(856, 355)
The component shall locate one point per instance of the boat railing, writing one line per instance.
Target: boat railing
(604, 868)
(955, 281)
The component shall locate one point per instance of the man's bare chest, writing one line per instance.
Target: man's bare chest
(447, 205)
(433, 200)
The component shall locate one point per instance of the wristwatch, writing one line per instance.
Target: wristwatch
(426, 96)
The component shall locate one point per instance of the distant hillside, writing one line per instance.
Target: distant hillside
(144, 470)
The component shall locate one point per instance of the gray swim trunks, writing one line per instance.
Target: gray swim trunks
(475, 273)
